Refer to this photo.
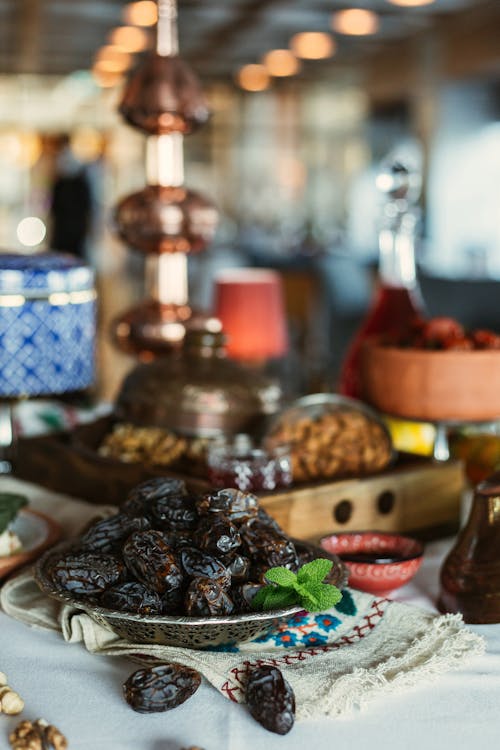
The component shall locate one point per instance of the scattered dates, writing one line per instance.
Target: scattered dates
(270, 699)
(169, 552)
(160, 688)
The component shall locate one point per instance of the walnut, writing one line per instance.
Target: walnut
(37, 735)
(10, 702)
(149, 445)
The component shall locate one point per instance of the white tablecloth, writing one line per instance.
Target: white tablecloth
(81, 694)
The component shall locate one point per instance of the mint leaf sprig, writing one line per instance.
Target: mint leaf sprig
(305, 588)
(10, 505)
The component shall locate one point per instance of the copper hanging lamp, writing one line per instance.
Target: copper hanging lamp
(164, 220)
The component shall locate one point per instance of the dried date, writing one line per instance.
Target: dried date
(132, 597)
(152, 561)
(233, 503)
(206, 598)
(197, 564)
(217, 535)
(106, 535)
(264, 518)
(268, 548)
(86, 573)
(270, 699)
(177, 539)
(238, 566)
(139, 499)
(160, 688)
(175, 513)
(242, 595)
(172, 602)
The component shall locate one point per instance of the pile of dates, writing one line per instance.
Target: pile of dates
(169, 552)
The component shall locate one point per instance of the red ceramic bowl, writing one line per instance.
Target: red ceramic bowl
(399, 558)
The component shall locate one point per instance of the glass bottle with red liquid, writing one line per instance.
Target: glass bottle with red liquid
(397, 301)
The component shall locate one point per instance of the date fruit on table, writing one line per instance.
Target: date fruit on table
(270, 699)
(160, 688)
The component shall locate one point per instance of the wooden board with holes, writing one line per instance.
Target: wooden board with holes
(415, 495)
(418, 497)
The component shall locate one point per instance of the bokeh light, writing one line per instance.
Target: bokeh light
(110, 59)
(313, 45)
(411, 3)
(281, 63)
(31, 231)
(129, 39)
(142, 13)
(253, 78)
(355, 22)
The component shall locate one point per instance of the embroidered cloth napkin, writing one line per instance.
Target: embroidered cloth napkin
(334, 661)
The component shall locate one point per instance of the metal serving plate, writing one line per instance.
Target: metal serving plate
(186, 632)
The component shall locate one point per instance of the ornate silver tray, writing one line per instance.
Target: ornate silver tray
(186, 632)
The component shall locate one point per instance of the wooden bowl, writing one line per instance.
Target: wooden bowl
(432, 385)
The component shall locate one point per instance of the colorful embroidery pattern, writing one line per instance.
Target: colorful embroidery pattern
(302, 629)
(301, 637)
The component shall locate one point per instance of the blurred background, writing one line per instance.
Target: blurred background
(289, 156)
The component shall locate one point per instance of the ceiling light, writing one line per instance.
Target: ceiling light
(129, 38)
(410, 3)
(253, 78)
(313, 45)
(112, 59)
(142, 13)
(355, 22)
(281, 63)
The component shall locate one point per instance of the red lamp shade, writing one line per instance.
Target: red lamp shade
(249, 304)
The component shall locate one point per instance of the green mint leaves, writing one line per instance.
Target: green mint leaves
(10, 505)
(305, 588)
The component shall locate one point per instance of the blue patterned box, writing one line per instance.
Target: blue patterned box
(47, 324)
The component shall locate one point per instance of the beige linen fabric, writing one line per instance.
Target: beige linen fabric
(339, 661)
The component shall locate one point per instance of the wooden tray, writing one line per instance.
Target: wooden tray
(68, 462)
(415, 495)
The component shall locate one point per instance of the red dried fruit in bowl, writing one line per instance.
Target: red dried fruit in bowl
(458, 343)
(438, 330)
(484, 339)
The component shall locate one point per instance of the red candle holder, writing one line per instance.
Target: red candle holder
(249, 304)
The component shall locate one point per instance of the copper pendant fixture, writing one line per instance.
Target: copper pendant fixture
(164, 96)
(165, 220)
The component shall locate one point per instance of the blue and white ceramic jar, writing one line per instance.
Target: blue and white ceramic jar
(47, 324)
